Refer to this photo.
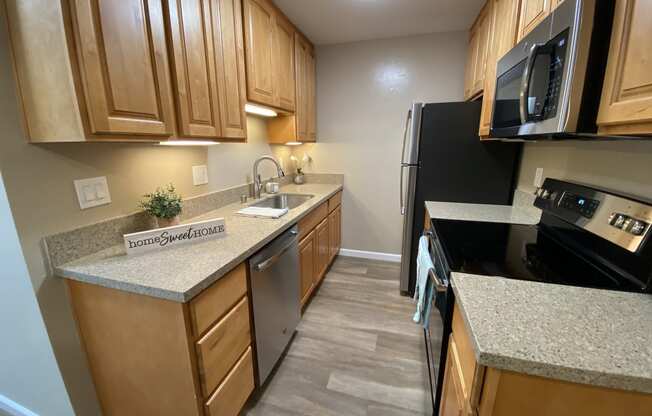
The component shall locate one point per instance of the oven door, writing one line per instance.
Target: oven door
(437, 333)
(528, 101)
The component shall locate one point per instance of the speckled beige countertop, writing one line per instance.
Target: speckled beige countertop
(521, 212)
(180, 273)
(587, 336)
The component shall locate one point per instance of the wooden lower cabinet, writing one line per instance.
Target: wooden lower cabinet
(150, 356)
(320, 234)
(472, 389)
(307, 265)
(323, 249)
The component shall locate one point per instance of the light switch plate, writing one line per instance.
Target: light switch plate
(199, 175)
(92, 192)
(538, 178)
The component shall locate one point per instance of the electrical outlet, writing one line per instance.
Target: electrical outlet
(538, 178)
(92, 192)
(199, 175)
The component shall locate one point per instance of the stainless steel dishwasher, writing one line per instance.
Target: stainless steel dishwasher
(274, 272)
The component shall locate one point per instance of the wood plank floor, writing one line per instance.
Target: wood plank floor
(356, 351)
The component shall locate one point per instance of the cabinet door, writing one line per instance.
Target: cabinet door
(452, 401)
(483, 36)
(626, 106)
(502, 39)
(230, 65)
(555, 3)
(307, 264)
(284, 69)
(322, 248)
(193, 51)
(335, 232)
(123, 64)
(301, 51)
(311, 93)
(471, 59)
(259, 41)
(532, 12)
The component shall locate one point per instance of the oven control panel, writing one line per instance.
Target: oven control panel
(579, 204)
(623, 221)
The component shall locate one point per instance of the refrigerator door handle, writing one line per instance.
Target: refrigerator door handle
(405, 135)
(408, 119)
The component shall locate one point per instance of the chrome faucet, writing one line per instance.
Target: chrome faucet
(258, 185)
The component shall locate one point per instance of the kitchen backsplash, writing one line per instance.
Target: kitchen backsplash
(71, 245)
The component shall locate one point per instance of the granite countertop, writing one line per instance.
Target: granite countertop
(522, 212)
(587, 336)
(180, 273)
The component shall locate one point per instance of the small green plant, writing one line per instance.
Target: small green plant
(163, 203)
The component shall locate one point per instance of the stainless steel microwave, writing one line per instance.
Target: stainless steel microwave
(549, 85)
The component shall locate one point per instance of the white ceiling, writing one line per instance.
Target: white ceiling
(340, 21)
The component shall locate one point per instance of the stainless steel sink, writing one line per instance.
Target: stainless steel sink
(288, 201)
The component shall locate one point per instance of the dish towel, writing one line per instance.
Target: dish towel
(261, 212)
(424, 289)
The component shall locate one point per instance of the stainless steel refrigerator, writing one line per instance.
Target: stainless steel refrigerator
(443, 159)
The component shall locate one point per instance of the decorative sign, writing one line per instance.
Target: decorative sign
(174, 236)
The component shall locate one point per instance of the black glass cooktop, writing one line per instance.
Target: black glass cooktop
(545, 253)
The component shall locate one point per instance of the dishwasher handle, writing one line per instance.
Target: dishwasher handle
(269, 262)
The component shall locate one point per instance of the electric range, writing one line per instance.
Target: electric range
(586, 237)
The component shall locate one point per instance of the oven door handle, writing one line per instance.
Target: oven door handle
(440, 285)
(525, 82)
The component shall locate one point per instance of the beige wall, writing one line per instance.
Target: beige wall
(39, 184)
(624, 166)
(231, 164)
(364, 91)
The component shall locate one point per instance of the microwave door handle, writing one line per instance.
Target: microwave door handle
(525, 82)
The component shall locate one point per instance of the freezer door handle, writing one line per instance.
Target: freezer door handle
(405, 134)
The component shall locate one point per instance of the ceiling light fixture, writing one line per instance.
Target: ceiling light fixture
(261, 111)
(188, 143)
(293, 143)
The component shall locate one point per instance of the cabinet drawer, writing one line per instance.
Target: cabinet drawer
(221, 347)
(232, 394)
(219, 298)
(334, 201)
(310, 221)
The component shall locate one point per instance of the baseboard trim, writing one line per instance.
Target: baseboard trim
(372, 255)
(12, 408)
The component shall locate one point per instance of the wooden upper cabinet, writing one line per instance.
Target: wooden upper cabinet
(301, 51)
(626, 106)
(532, 13)
(193, 55)
(504, 15)
(259, 37)
(284, 69)
(269, 43)
(123, 66)
(231, 78)
(476, 62)
(555, 3)
(311, 97)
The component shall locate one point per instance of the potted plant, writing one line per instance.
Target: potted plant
(164, 205)
(299, 178)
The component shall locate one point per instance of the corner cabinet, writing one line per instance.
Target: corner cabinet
(91, 70)
(626, 105)
(269, 46)
(300, 126)
(151, 356)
